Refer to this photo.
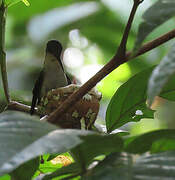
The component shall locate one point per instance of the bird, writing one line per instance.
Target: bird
(52, 75)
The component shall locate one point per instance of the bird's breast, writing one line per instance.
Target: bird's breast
(54, 77)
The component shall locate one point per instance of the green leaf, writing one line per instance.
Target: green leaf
(5, 177)
(73, 168)
(150, 141)
(26, 171)
(115, 166)
(158, 166)
(95, 145)
(156, 15)
(120, 167)
(23, 137)
(48, 166)
(128, 99)
(13, 2)
(163, 145)
(161, 74)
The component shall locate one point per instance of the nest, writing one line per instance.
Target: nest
(81, 115)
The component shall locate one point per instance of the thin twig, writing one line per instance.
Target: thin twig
(2, 50)
(13, 105)
(108, 68)
(121, 52)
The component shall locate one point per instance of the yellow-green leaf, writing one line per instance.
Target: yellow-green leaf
(13, 2)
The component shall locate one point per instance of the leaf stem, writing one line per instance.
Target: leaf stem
(2, 50)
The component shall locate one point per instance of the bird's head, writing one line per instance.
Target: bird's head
(54, 48)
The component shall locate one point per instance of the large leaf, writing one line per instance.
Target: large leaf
(151, 141)
(96, 145)
(130, 97)
(26, 170)
(156, 15)
(161, 75)
(115, 166)
(92, 146)
(23, 137)
(155, 167)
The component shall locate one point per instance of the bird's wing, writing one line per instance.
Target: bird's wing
(36, 92)
(68, 80)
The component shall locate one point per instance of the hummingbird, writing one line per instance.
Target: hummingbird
(52, 75)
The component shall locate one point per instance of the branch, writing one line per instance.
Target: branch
(13, 105)
(108, 68)
(16, 106)
(2, 50)
(122, 48)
